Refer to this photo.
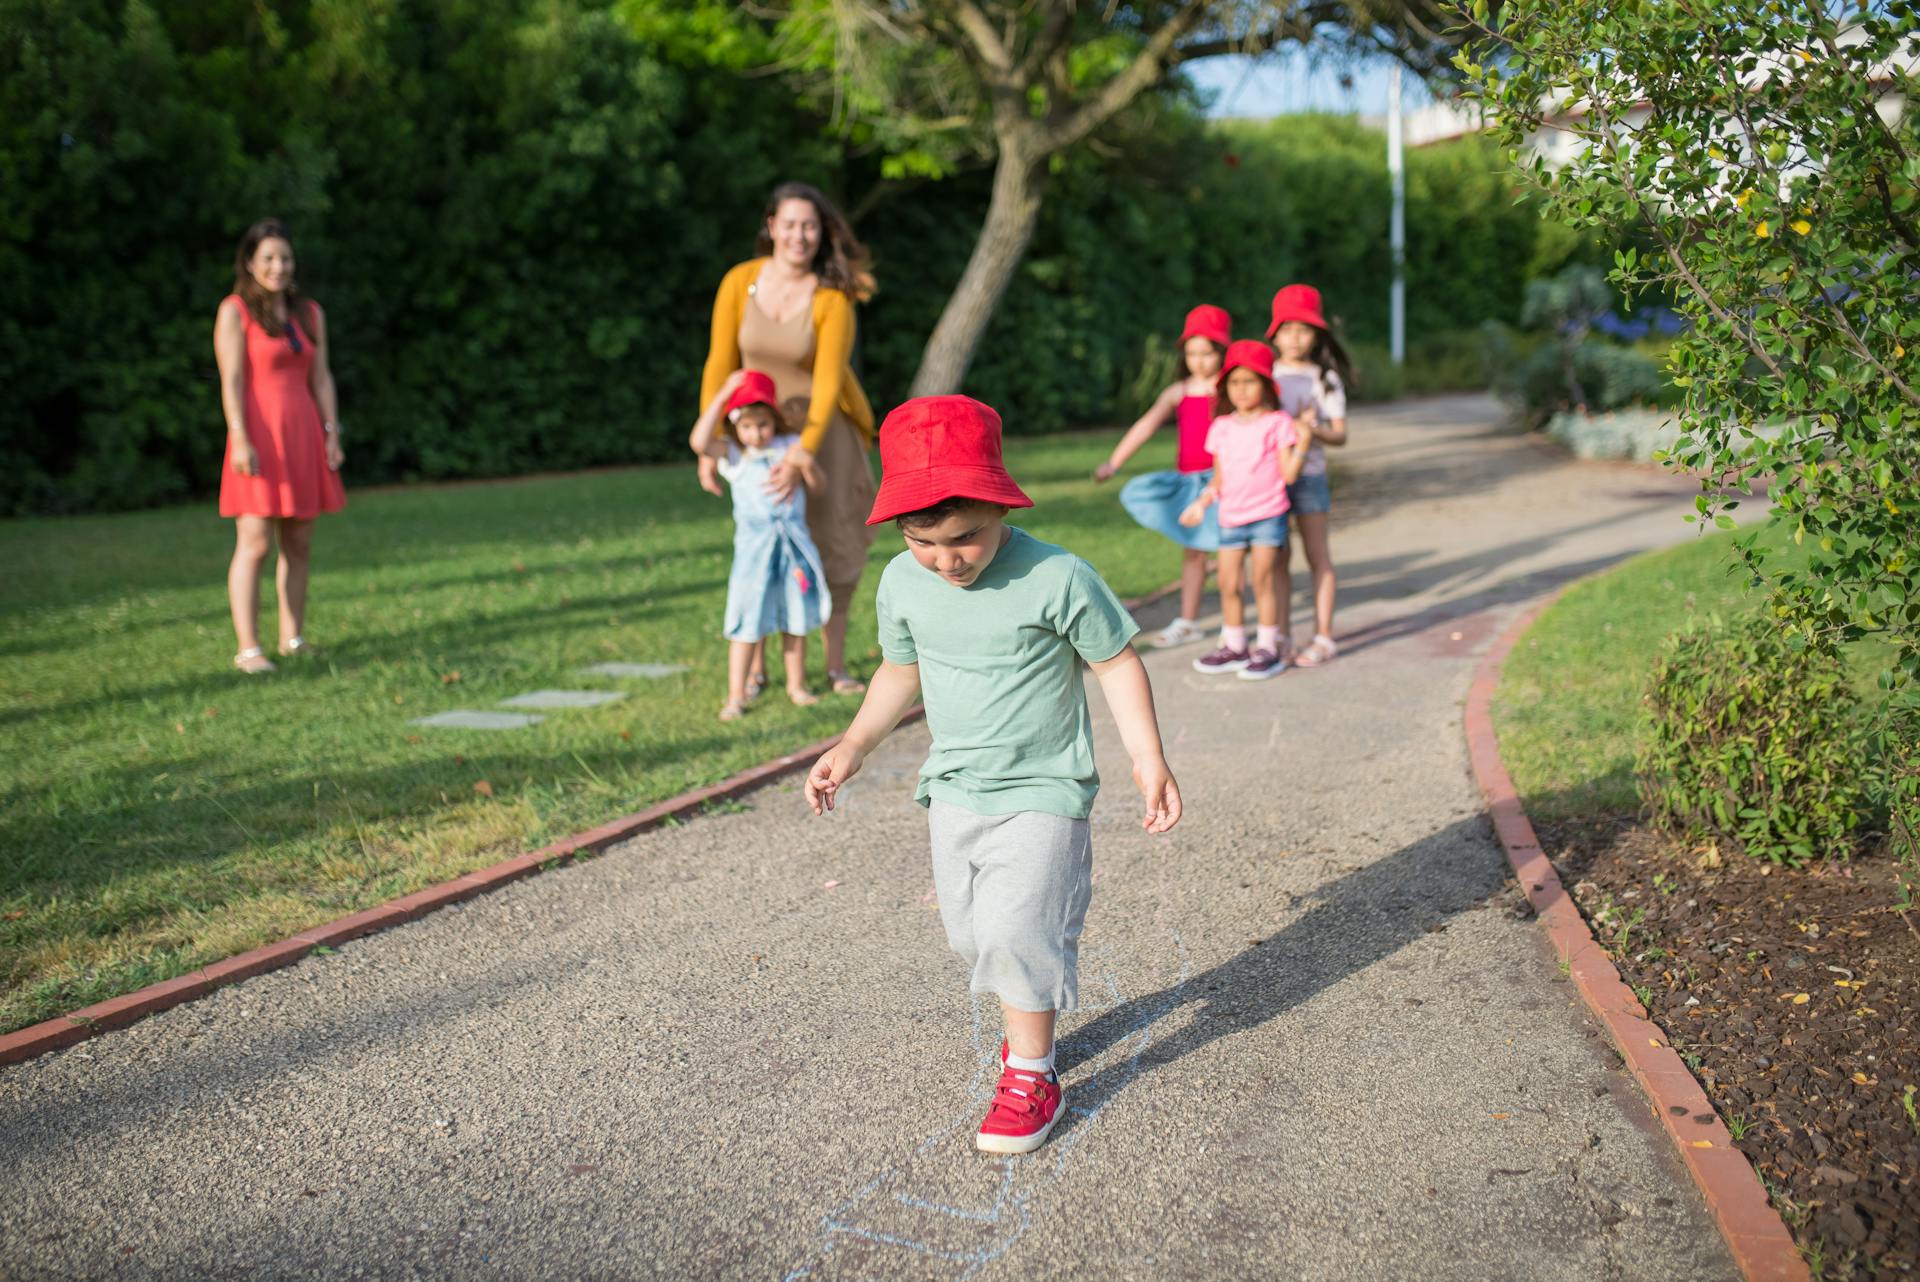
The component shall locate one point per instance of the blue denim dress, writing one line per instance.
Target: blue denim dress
(777, 583)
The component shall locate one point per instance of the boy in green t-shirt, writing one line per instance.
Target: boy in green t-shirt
(990, 626)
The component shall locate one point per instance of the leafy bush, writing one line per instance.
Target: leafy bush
(1775, 200)
(1898, 751)
(1593, 377)
(1751, 740)
(1569, 369)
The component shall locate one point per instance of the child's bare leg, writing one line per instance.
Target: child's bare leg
(793, 652)
(1233, 612)
(1029, 1032)
(1313, 533)
(739, 660)
(757, 664)
(1266, 584)
(1283, 587)
(1193, 582)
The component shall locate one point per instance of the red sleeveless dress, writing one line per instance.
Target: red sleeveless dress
(291, 477)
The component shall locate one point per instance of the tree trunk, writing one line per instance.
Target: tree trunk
(1012, 215)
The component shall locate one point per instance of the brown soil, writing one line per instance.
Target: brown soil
(1795, 998)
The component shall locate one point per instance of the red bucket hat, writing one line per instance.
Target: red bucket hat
(941, 447)
(1248, 353)
(755, 389)
(1296, 303)
(1209, 322)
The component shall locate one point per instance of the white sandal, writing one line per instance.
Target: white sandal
(296, 646)
(1319, 652)
(253, 661)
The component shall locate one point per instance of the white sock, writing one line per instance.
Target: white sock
(1042, 1065)
(1233, 638)
(1268, 639)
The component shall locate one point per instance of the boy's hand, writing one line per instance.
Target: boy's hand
(836, 765)
(1162, 794)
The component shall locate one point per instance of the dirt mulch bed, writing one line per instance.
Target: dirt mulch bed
(1795, 998)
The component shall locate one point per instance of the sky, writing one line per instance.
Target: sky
(1288, 81)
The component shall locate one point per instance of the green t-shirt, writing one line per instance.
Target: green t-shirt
(1000, 671)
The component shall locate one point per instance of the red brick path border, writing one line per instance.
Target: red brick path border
(117, 1012)
(1761, 1244)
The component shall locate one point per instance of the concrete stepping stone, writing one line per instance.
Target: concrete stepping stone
(651, 671)
(469, 719)
(563, 699)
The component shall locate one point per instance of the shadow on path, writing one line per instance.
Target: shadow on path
(1350, 923)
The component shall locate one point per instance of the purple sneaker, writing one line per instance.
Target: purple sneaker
(1221, 660)
(1263, 664)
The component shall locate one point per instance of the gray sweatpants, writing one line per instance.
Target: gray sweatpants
(1013, 893)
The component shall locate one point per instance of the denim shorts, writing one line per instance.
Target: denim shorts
(1268, 532)
(1311, 494)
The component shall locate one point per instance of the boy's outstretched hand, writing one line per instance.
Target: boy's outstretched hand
(836, 765)
(1162, 794)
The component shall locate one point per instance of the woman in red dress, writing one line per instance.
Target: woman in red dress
(283, 435)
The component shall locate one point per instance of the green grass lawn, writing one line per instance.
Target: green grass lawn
(1570, 694)
(158, 811)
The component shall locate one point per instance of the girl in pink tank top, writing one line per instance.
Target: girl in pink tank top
(1156, 499)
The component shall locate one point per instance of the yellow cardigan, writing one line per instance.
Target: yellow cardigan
(834, 383)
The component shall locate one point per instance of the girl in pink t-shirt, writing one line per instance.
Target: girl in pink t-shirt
(1156, 499)
(1257, 452)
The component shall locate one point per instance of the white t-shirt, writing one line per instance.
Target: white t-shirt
(1303, 387)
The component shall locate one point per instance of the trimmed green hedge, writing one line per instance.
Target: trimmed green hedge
(516, 214)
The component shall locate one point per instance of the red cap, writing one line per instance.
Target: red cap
(755, 389)
(941, 447)
(1208, 321)
(1248, 353)
(1296, 303)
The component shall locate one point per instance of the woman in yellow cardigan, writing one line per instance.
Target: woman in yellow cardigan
(789, 314)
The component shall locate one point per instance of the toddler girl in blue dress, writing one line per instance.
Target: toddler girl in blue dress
(777, 583)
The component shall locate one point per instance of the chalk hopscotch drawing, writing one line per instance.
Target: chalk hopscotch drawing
(947, 1211)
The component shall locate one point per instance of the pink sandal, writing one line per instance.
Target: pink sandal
(1320, 652)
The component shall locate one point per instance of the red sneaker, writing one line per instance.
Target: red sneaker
(1025, 1106)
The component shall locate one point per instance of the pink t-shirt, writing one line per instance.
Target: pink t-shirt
(1247, 452)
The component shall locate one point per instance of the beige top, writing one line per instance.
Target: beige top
(783, 351)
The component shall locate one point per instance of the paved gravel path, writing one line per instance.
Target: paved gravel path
(1323, 1041)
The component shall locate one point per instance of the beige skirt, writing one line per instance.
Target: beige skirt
(837, 516)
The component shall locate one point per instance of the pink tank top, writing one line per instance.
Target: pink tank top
(1196, 416)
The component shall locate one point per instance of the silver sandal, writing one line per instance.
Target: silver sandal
(254, 661)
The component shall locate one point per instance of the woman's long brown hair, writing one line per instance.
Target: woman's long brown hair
(841, 262)
(249, 289)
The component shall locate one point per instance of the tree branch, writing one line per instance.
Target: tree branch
(981, 38)
(1299, 25)
(1152, 62)
(1049, 41)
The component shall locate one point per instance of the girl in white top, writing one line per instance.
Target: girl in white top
(1310, 372)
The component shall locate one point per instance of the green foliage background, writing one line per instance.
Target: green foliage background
(516, 211)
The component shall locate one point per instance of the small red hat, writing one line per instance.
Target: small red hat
(1210, 322)
(1248, 353)
(1296, 303)
(941, 447)
(755, 389)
